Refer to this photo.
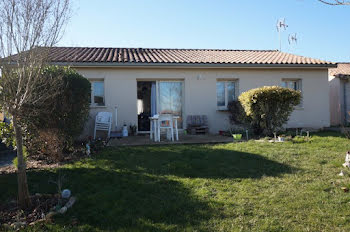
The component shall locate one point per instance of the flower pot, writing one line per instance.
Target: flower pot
(237, 136)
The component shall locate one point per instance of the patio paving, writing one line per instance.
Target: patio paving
(141, 140)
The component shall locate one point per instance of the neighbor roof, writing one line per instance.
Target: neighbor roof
(342, 70)
(157, 56)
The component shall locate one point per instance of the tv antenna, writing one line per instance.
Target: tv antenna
(292, 38)
(281, 26)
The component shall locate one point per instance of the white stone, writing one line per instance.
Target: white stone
(70, 202)
(63, 210)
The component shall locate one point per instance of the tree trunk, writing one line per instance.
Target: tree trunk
(23, 192)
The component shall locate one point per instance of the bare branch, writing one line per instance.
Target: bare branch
(335, 2)
(28, 29)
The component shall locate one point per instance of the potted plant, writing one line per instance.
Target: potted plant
(237, 137)
(133, 129)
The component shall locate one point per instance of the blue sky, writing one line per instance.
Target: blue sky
(323, 31)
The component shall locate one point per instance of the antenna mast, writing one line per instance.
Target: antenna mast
(292, 38)
(281, 25)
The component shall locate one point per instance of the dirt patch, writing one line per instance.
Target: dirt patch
(41, 206)
(44, 162)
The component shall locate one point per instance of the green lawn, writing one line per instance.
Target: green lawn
(249, 186)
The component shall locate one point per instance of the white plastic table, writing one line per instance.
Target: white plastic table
(154, 128)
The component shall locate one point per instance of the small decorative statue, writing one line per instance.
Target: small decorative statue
(347, 160)
(88, 151)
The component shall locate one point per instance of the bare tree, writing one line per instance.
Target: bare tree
(28, 29)
(335, 2)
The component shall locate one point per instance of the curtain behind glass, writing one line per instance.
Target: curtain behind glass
(153, 99)
(170, 99)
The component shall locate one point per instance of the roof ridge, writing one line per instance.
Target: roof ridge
(188, 49)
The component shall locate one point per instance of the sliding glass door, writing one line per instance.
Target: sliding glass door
(170, 98)
(158, 97)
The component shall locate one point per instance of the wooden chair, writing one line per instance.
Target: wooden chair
(197, 124)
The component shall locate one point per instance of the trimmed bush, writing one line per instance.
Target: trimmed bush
(269, 107)
(55, 123)
(237, 114)
(70, 108)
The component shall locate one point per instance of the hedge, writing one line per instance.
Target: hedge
(268, 108)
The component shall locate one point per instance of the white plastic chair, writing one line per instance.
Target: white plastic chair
(103, 122)
(165, 121)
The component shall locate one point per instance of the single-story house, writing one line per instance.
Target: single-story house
(339, 82)
(140, 82)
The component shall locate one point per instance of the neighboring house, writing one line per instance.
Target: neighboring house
(141, 82)
(340, 94)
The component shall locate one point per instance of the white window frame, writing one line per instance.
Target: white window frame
(92, 100)
(225, 107)
(299, 87)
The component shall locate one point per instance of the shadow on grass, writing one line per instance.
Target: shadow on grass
(193, 162)
(130, 189)
(328, 134)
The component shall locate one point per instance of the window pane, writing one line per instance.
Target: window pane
(292, 85)
(220, 93)
(98, 93)
(170, 99)
(284, 84)
(231, 91)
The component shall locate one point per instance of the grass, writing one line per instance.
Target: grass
(249, 186)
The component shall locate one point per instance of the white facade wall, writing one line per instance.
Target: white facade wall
(200, 91)
(336, 100)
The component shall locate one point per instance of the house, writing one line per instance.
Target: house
(140, 82)
(339, 94)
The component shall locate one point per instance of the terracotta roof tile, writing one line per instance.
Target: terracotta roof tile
(343, 69)
(112, 56)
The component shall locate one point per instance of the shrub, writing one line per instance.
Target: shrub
(61, 118)
(237, 114)
(7, 134)
(70, 108)
(269, 107)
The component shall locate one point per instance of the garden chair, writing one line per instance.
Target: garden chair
(197, 124)
(103, 122)
(165, 121)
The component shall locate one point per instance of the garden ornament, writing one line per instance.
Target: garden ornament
(347, 160)
(66, 193)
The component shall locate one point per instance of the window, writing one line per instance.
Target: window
(97, 93)
(170, 99)
(293, 84)
(226, 92)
